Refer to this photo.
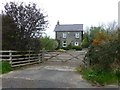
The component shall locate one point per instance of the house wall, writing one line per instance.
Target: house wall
(70, 37)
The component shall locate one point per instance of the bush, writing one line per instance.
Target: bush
(72, 47)
(5, 67)
(77, 48)
(65, 48)
(69, 46)
(104, 55)
(85, 43)
(103, 58)
(48, 44)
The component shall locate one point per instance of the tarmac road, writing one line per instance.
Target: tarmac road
(44, 77)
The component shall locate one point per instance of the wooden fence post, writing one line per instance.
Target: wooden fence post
(42, 56)
(29, 56)
(39, 59)
(10, 57)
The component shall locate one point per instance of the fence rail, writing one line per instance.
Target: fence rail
(17, 58)
(20, 58)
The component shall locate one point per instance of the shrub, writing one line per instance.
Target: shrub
(77, 48)
(103, 58)
(48, 44)
(72, 47)
(69, 46)
(65, 48)
(85, 43)
(104, 54)
(106, 77)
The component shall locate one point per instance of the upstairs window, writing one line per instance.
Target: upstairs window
(64, 35)
(77, 35)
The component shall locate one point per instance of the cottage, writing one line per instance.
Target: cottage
(69, 34)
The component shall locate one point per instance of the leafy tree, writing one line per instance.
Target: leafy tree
(100, 38)
(9, 33)
(86, 42)
(95, 30)
(30, 22)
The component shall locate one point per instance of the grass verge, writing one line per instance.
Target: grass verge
(4, 67)
(95, 77)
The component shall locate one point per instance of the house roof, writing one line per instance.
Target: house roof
(69, 27)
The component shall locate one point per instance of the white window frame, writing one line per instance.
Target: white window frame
(64, 35)
(64, 44)
(76, 43)
(77, 35)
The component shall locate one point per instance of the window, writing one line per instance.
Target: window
(76, 35)
(64, 35)
(64, 44)
(76, 44)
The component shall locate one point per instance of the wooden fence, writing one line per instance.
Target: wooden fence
(18, 58)
(21, 58)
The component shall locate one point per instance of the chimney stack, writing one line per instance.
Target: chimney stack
(58, 23)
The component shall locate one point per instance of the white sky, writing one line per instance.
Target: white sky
(86, 12)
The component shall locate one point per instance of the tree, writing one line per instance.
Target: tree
(9, 33)
(85, 43)
(112, 26)
(30, 22)
(48, 44)
(95, 30)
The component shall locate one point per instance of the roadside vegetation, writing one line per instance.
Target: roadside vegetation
(69, 47)
(48, 44)
(4, 67)
(99, 78)
(102, 61)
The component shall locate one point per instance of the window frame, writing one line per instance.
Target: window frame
(77, 35)
(64, 43)
(64, 35)
(76, 44)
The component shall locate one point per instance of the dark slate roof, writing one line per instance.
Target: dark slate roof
(69, 27)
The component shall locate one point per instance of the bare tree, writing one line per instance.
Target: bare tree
(112, 26)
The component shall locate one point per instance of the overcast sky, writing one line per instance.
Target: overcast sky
(86, 12)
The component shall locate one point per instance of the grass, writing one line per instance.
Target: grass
(4, 67)
(101, 78)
